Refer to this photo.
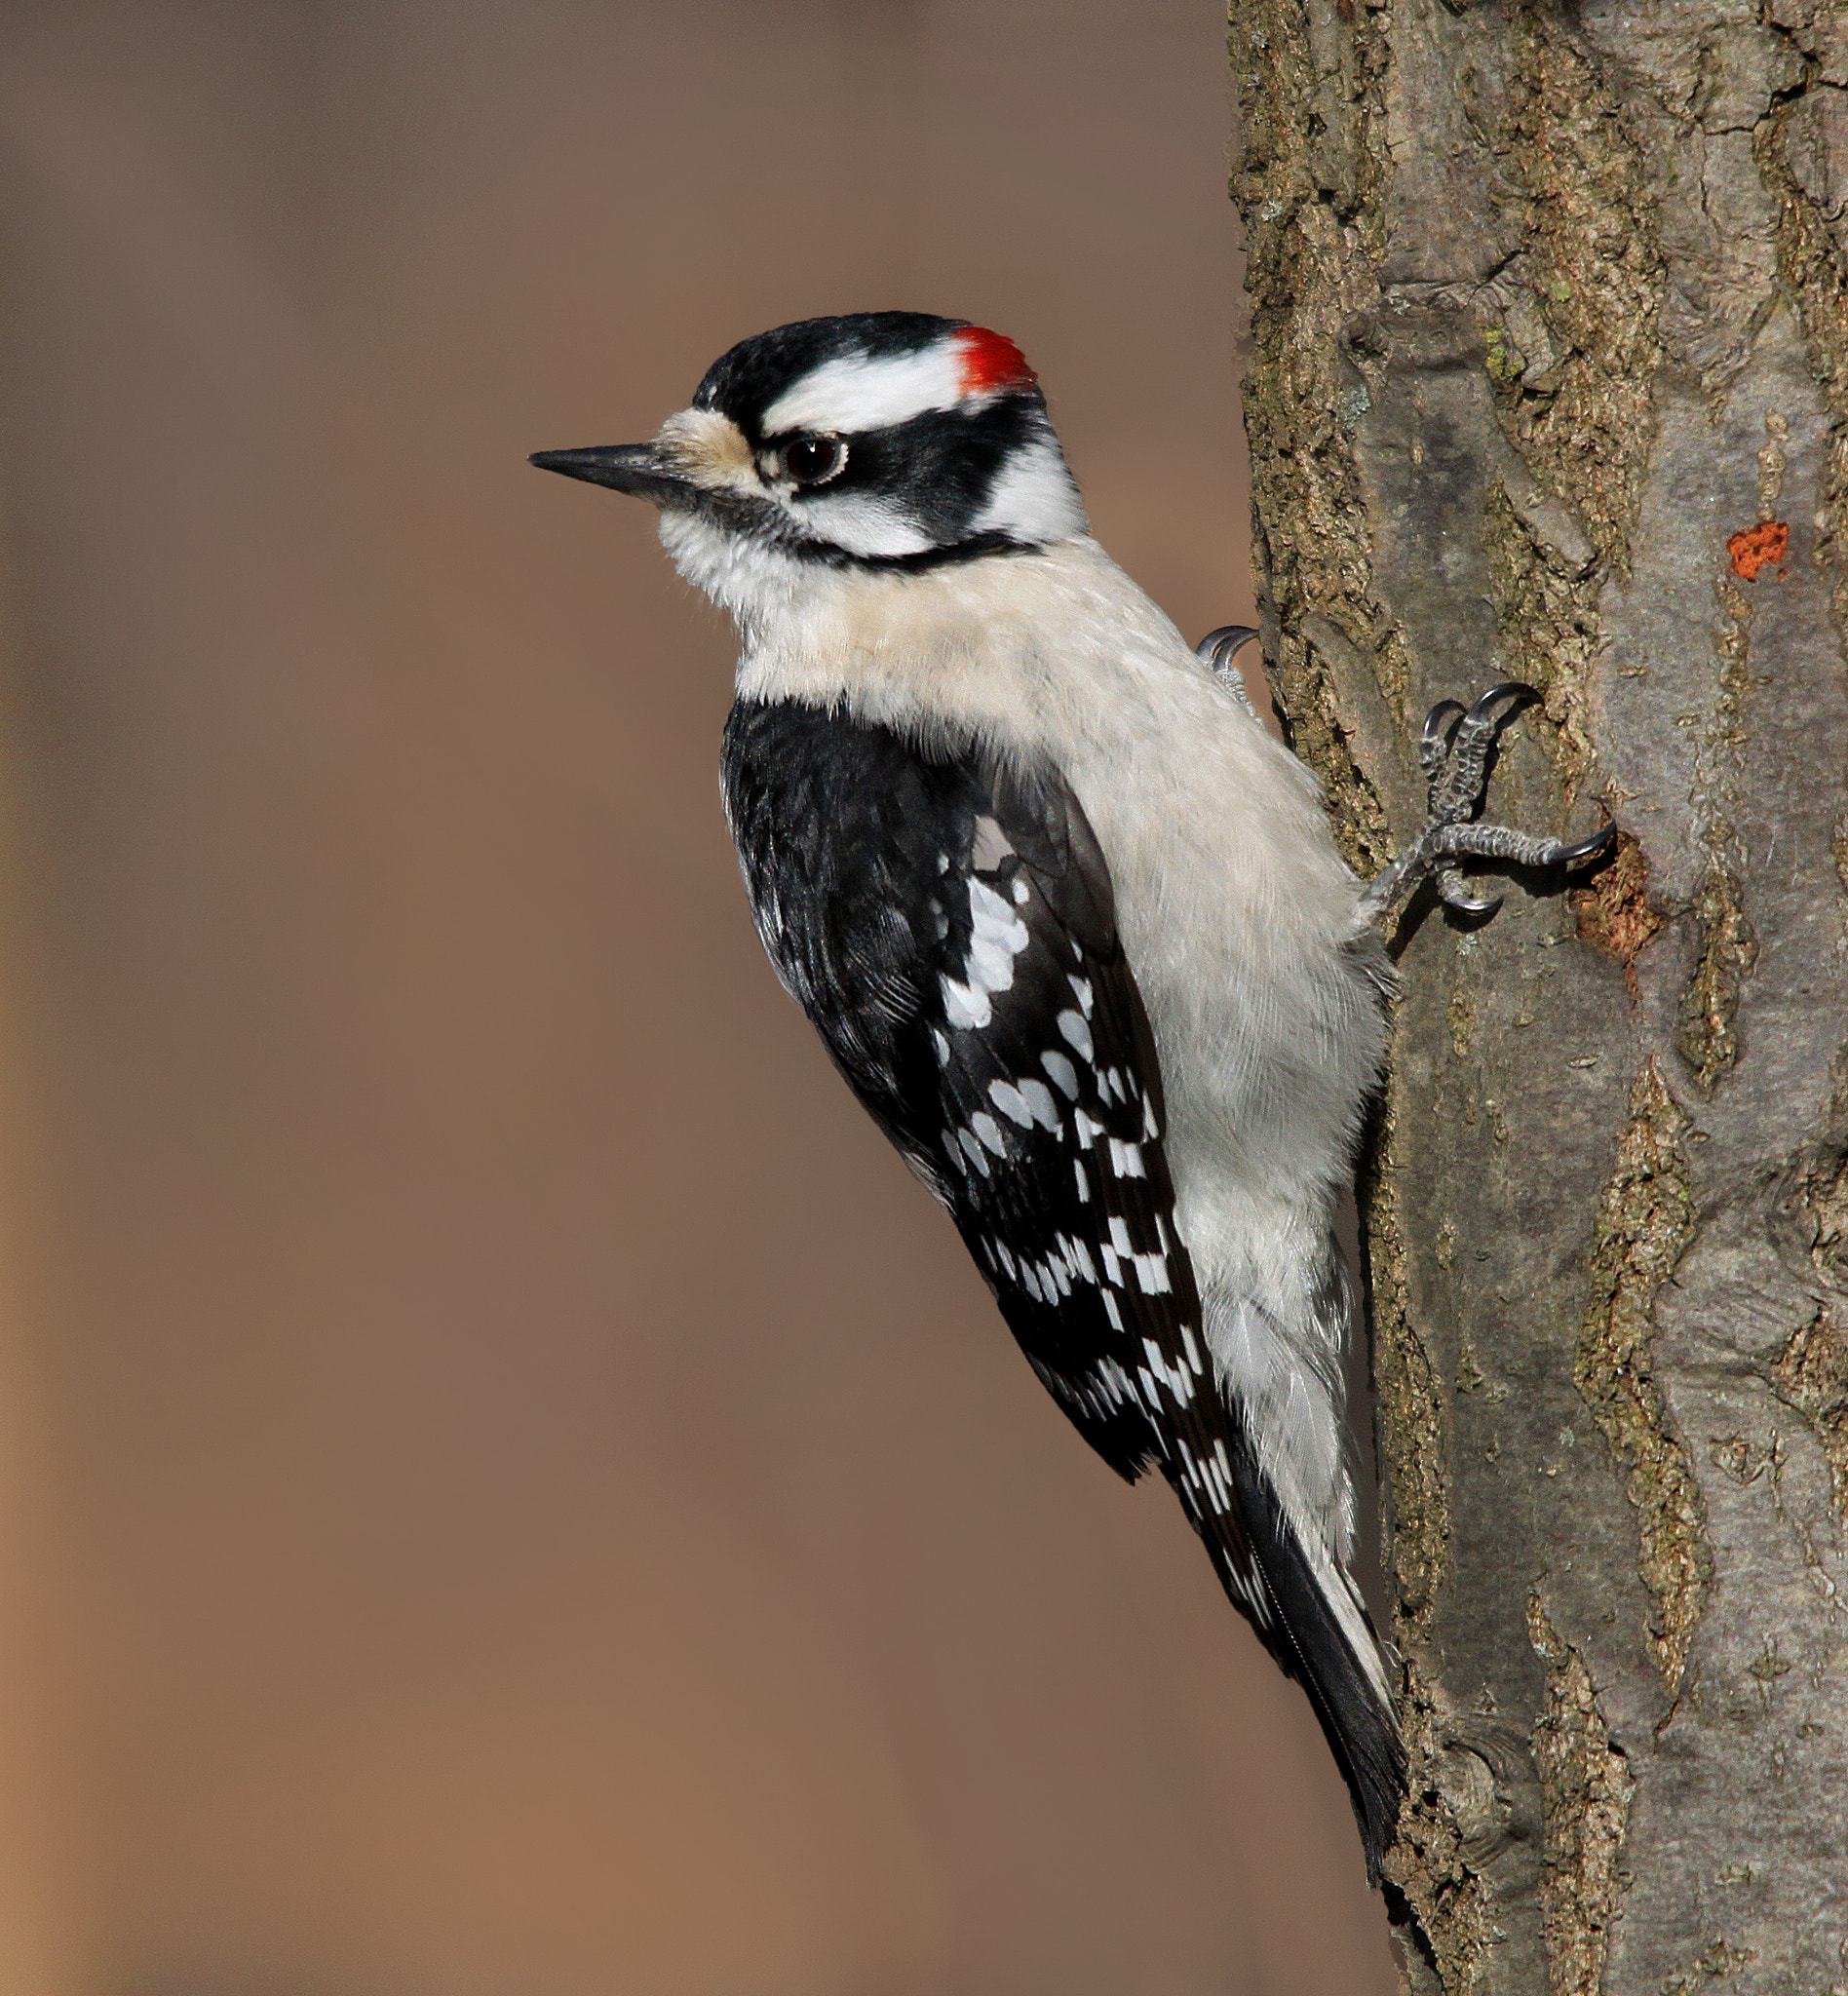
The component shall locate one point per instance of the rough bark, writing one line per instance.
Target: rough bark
(1550, 381)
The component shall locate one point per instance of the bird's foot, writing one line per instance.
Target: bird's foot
(1453, 748)
(1219, 649)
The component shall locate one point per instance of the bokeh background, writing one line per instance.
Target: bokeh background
(507, 1488)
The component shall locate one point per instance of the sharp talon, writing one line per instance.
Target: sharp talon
(1517, 690)
(1464, 904)
(1434, 730)
(1218, 648)
(1585, 848)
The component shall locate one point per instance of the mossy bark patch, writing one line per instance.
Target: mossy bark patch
(1645, 1220)
(1585, 1779)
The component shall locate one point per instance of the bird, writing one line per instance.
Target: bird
(1072, 923)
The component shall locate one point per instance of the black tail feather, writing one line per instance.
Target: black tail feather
(1307, 1638)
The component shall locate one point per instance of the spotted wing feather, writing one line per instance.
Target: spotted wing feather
(948, 926)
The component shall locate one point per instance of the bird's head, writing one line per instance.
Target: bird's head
(878, 441)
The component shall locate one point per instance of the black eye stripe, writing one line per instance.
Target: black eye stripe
(935, 472)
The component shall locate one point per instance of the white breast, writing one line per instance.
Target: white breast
(1237, 912)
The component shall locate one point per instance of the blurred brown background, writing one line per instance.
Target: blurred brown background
(504, 1483)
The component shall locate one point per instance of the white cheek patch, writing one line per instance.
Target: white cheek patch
(860, 523)
(1034, 498)
(859, 393)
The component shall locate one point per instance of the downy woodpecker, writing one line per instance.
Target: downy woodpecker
(1071, 923)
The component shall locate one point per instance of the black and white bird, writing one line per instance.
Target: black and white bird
(1072, 924)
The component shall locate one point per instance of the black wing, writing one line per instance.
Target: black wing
(947, 923)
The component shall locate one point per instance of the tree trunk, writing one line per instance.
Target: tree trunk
(1548, 382)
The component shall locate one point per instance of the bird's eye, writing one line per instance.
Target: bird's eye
(814, 460)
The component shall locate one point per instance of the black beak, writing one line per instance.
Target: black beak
(635, 468)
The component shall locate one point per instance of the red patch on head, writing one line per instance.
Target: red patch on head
(1759, 547)
(990, 364)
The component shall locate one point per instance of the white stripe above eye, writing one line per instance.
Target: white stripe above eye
(857, 392)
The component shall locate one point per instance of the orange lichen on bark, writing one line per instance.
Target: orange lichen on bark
(1757, 547)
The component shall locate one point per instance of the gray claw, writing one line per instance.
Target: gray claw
(1450, 893)
(1585, 848)
(1218, 648)
(1518, 690)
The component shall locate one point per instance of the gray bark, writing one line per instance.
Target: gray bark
(1550, 350)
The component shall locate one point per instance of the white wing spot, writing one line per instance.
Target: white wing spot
(1126, 1160)
(1064, 1076)
(1151, 1271)
(997, 936)
(992, 916)
(1209, 1477)
(964, 1007)
(1081, 990)
(989, 1132)
(1012, 1103)
(1076, 1034)
(1174, 1377)
(1040, 1105)
(1079, 1257)
(989, 965)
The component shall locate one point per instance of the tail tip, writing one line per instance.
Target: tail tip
(1377, 1785)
